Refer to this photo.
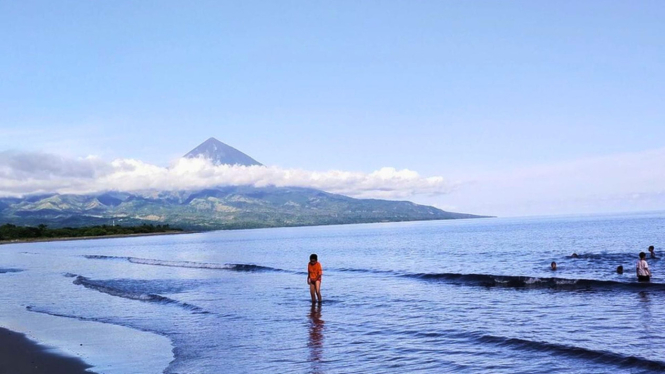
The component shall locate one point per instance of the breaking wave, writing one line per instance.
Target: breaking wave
(532, 282)
(189, 264)
(3, 271)
(515, 281)
(605, 357)
(107, 288)
(35, 309)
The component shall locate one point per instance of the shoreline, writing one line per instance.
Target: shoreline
(37, 240)
(19, 354)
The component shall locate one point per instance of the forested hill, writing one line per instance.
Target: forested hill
(216, 208)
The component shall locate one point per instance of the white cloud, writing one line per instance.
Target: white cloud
(621, 182)
(27, 173)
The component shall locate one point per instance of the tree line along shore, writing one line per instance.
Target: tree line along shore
(9, 232)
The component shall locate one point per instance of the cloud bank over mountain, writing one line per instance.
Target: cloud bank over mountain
(24, 173)
(613, 183)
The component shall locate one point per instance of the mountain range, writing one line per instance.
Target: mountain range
(224, 207)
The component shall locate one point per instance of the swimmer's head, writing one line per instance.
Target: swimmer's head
(620, 269)
(575, 255)
(553, 265)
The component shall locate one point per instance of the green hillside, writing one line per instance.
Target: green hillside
(217, 208)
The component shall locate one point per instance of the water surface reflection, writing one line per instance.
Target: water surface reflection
(315, 343)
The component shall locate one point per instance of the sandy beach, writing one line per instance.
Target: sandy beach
(20, 355)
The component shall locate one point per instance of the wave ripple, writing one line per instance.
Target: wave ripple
(576, 352)
(189, 264)
(3, 271)
(107, 288)
(514, 281)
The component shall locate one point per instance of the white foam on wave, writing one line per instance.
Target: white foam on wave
(155, 262)
(186, 264)
(101, 286)
(179, 264)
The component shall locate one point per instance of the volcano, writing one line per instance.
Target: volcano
(220, 154)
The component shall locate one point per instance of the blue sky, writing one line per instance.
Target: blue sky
(512, 102)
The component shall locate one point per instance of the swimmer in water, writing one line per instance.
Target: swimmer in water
(553, 265)
(620, 269)
(643, 272)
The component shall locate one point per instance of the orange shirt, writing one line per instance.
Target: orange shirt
(315, 271)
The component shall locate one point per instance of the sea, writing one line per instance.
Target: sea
(453, 296)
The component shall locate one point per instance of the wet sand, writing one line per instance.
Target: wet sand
(19, 355)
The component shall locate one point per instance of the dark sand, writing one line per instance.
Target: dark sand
(19, 355)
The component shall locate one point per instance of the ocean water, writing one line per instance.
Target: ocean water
(462, 296)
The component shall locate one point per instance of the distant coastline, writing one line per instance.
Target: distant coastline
(35, 240)
(228, 228)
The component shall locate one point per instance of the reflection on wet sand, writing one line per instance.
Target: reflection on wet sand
(315, 343)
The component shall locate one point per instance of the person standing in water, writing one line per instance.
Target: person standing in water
(314, 274)
(643, 273)
(651, 250)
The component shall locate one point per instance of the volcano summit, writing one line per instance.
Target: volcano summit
(220, 154)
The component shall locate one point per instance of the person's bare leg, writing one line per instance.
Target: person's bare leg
(312, 292)
(318, 291)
